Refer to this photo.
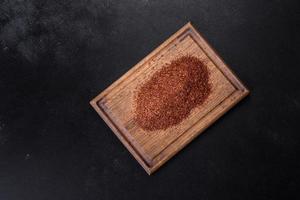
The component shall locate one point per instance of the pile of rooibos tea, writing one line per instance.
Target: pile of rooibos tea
(171, 93)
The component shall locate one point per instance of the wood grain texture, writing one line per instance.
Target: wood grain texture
(152, 149)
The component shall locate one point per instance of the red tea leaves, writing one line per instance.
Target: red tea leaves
(171, 93)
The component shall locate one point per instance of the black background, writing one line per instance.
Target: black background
(56, 56)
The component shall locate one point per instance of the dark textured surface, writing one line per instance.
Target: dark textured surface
(57, 55)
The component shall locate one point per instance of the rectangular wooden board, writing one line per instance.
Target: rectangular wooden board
(152, 149)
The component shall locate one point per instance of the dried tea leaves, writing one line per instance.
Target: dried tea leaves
(171, 93)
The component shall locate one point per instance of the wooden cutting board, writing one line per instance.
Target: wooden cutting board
(152, 149)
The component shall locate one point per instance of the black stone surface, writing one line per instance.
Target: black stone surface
(57, 55)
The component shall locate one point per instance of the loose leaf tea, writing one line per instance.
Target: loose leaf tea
(171, 93)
